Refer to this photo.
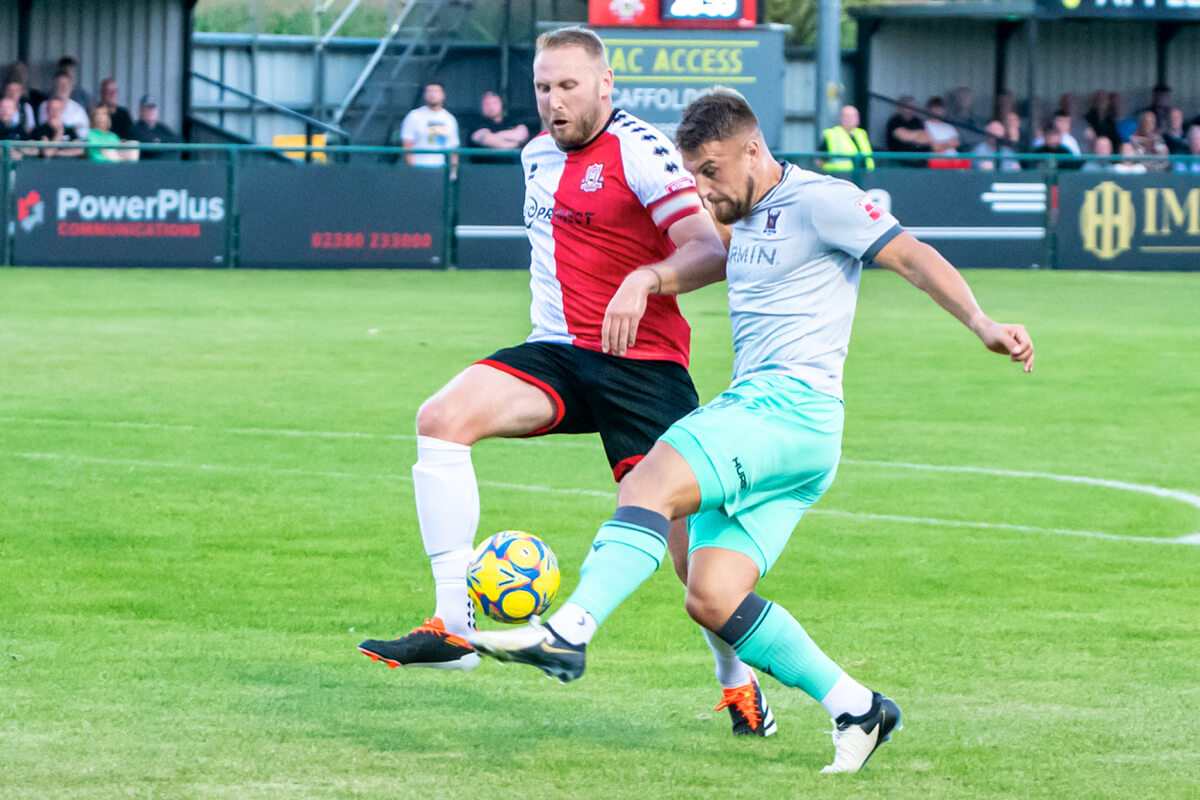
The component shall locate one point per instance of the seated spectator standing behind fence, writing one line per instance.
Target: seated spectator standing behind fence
(1146, 140)
(1103, 148)
(1052, 145)
(1174, 135)
(1193, 144)
(995, 145)
(118, 115)
(10, 121)
(1062, 123)
(1100, 119)
(69, 65)
(149, 130)
(55, 129)
(962, 112)
(23, 115)
(18, 72)
(1126, 164)
(1012, 132)
(100, 135)
(943, 138)
(430, 127)
(498, 132)
(846, 139)
(906, 133)
(73, 114)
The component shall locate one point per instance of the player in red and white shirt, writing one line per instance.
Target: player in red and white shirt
(606, 200)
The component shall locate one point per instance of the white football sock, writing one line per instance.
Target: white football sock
(574, 624)
(731, 672)
(847, 696)
(448, 511)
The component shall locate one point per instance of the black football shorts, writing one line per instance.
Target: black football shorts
(630, 402)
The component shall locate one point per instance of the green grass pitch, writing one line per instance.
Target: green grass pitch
(206, 505)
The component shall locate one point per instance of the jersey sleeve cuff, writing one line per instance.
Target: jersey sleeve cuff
(881, 242)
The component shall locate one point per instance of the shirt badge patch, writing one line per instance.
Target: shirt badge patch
(772, 219)
(866, 205)
(593, 179)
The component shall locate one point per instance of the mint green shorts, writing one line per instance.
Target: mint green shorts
(763, 451)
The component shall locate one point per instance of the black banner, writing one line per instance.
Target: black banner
(1135, 222)
(490, 232)
(350, 216)
(975, 218)
(78, 213)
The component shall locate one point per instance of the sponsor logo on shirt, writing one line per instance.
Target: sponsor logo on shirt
(593, 180)
(866, 205)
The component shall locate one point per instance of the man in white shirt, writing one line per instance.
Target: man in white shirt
(430, 127)
(74, 115)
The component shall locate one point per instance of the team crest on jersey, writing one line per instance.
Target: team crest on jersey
(866, 205)
(593, 179)
(772, 219)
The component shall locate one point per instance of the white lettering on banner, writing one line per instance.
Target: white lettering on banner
(658, 98)
(116, 208)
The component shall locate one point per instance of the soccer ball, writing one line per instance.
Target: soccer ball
(512, 576)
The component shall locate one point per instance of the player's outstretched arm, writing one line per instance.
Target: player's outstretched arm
(925, 268)
(698, 260)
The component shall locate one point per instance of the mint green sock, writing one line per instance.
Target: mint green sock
(766, 636)
(626, 551)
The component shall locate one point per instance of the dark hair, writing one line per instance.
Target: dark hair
(573, 36)
(936, 100)
(1062, 112)
(1048, 127)
(67, 61)
(714, 117)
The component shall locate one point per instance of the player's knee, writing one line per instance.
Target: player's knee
(708, 608)
(438, 418)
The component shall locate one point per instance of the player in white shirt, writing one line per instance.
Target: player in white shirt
(747, 465)
(430, 127)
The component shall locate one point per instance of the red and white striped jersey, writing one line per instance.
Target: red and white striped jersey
(595, 214)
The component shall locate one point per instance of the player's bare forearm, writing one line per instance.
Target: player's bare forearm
(698, 260)
(925, 268)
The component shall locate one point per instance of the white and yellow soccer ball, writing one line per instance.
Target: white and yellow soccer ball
(512, 576)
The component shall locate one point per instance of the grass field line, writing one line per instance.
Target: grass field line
(1193, 539)
(1157, 491)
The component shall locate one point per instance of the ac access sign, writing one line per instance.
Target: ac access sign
(149, 214)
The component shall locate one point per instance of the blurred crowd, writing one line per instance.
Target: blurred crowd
(66, 118)
(946, 133)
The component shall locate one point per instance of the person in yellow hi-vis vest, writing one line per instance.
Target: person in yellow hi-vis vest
(847, 139)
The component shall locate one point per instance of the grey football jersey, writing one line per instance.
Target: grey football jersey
(793, 270)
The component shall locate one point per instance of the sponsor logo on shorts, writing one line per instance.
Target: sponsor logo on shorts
(741, 473)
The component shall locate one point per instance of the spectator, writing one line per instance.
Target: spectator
(1052, 145)
(1173, 135)
(432, 127)
(1125, 125)
(1100, 119)
(961, 111)
(995, 145)
(1103, 149)
(122, 122)
(149, 130)
(1003, 105)
(101, 134)
(906, 133)
(1075, 124)
(1126, 165)
(23, 115)
(69, 65)
(1193, 143)
(1062, 123)
(846, 139)
(943, 138)
(55, 129)
(1160, 104)
(19, 72)
(1146, 140)
(11, 129)
(1012, 132)
(73, 115)
(498, 131)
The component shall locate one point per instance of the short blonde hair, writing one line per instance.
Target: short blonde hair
(574, 36)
